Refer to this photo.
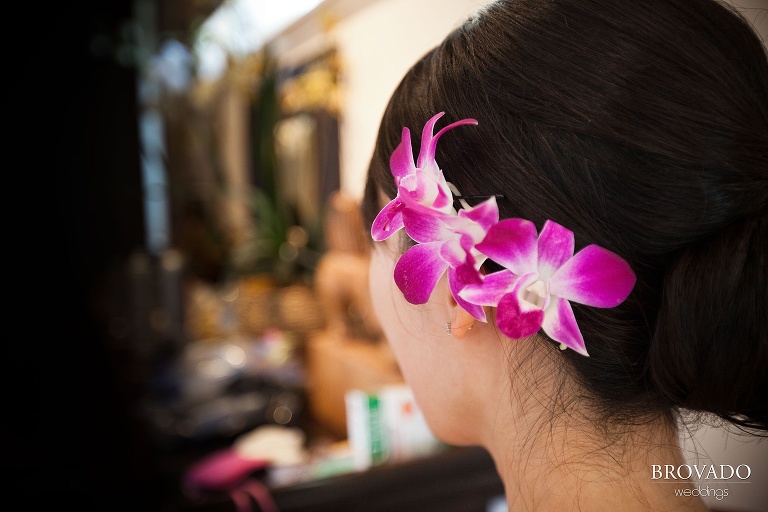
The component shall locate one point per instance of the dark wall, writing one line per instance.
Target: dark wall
(72, 439)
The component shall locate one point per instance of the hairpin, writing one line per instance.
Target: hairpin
(540, 277)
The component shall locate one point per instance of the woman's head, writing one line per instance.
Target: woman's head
(643, 128)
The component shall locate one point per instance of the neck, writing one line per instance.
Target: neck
(558, 456)
(566, 466)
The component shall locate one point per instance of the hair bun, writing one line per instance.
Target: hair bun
(711, 340)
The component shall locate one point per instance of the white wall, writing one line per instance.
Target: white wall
(379, 45)
(378, 41)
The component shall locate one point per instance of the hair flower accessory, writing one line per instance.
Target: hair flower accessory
(424, 208)
(541, 274)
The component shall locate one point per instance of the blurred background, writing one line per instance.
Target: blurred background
(205, 279)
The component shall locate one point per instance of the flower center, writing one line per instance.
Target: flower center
(536, 294)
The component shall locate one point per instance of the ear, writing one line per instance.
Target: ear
(461, 321)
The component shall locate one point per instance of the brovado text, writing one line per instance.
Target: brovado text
(722, 472)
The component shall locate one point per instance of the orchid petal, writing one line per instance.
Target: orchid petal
(560, 325)
(594, 276)
(458, 279)
(429, 144)
(444, 198)
(418, 270)
(426, 228)
(467, 241)
(418, 189)
(401, 161)
(452, 252)
(426, 160)
(512, 244)
(491, 290)
(515, 319)
(412, 186)
(388, 221)
(472, 263)
(460, 223)
(459, 256)
(555, 247)
(486, 214)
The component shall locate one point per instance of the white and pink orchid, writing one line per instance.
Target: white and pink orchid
(541, 274)
(424, 208)
(421, 187)
(446, 243)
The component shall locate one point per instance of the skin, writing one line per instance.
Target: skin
(477, 388)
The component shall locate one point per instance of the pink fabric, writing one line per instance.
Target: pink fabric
(222, 471)
(256, 490)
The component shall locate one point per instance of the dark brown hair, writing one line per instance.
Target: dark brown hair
(642, 126)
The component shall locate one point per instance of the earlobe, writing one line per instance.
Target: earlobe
(461, 322)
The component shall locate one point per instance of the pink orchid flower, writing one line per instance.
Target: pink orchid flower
(541, 276)
(418, 185)
(446, 242)
(424, 208)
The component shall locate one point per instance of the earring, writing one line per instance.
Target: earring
(459, 331)
(448, 328)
